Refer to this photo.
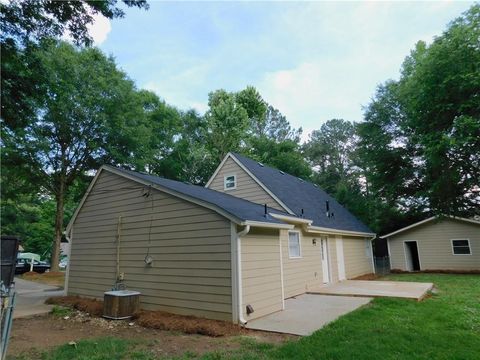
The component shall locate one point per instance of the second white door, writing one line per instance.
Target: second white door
(325, 265)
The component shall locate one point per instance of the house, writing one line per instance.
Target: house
(233, 250)
(437, 243)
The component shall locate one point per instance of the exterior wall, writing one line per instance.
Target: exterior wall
(435, 248)
(246, 188)
(190, 245)
(261, 275)
(357, 262)
(301, 274)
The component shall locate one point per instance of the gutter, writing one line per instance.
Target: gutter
(244, 232)
(322, 230)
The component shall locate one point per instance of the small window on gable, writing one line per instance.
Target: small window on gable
(461, 247)
(230, 182)
(294, 244)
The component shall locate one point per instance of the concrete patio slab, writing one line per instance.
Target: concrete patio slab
(307, 313)
(399, 289)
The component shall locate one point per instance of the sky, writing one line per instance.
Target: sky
(314, 61)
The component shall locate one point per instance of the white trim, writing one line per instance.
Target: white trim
(84, 198)
(427, 220)
(291, 219)
(244, 232)
(299, 244)
(281, 269)
(234, 273)
(239, 163)
(225, 188)
(326, 257)
(323, 230)
(217, 170)
(469, 247)
(388, 249)
(373, 258)
(340, 257)
(405, 255)
(267, 225)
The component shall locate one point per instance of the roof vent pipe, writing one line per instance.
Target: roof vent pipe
(302, 212)
(327, 208)
(266, 210)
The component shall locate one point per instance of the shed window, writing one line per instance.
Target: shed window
(230, 182)
(461, 247)
(294, 244)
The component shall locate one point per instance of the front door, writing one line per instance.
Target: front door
(325, 265)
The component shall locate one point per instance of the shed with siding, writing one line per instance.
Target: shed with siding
(437, 243)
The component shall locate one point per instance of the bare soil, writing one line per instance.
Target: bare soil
(367, 277)
(55, 278)
(155, 319)
(31, 336)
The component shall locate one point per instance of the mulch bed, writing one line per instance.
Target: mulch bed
(156, 319)
(367, 277)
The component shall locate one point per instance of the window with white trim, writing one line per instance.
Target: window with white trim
(294, 244)
(230, 182)
(461, 247)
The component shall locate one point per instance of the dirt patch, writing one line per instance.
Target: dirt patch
(91, 306)
(31, 336)
(156, 319)
(56, 278)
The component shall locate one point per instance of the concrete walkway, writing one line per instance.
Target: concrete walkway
(31, 296)
(399, 289)
(307, 313)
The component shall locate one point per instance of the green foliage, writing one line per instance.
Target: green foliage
(33, 20)
(420, 142)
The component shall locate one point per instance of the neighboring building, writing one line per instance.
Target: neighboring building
(251, 238)
(437, 243)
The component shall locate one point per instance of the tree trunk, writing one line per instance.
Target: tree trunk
(60, 198)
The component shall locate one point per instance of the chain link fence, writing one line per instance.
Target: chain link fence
(382, 265)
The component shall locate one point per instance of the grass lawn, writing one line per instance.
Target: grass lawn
(443, 326)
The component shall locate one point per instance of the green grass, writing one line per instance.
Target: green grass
(61, 311)
(107, 348)
(443, 326)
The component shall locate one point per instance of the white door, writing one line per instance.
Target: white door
(325, 267)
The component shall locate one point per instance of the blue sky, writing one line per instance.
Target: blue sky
(313, 61)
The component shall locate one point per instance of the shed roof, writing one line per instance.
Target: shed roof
(471, 221)
(298, 194)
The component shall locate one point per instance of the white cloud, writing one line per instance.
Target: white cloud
(99, 29)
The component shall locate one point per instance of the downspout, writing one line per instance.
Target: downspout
(244, 232)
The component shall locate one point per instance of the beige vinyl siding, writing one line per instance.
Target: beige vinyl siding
(261, 279)
(435, 247)
(246, 188)
(357, 262)
(190, 245)
(301, 274)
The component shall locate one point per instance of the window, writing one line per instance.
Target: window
(461, 247)
(229, 182)
(294, 244)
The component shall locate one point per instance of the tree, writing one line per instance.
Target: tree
(227, 124)
(90, 114)
(34, 20)
(420, 141)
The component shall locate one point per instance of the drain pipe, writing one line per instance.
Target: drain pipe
(244, 232)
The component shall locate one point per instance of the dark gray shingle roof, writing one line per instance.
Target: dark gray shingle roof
(239, 208)
(299, 194)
